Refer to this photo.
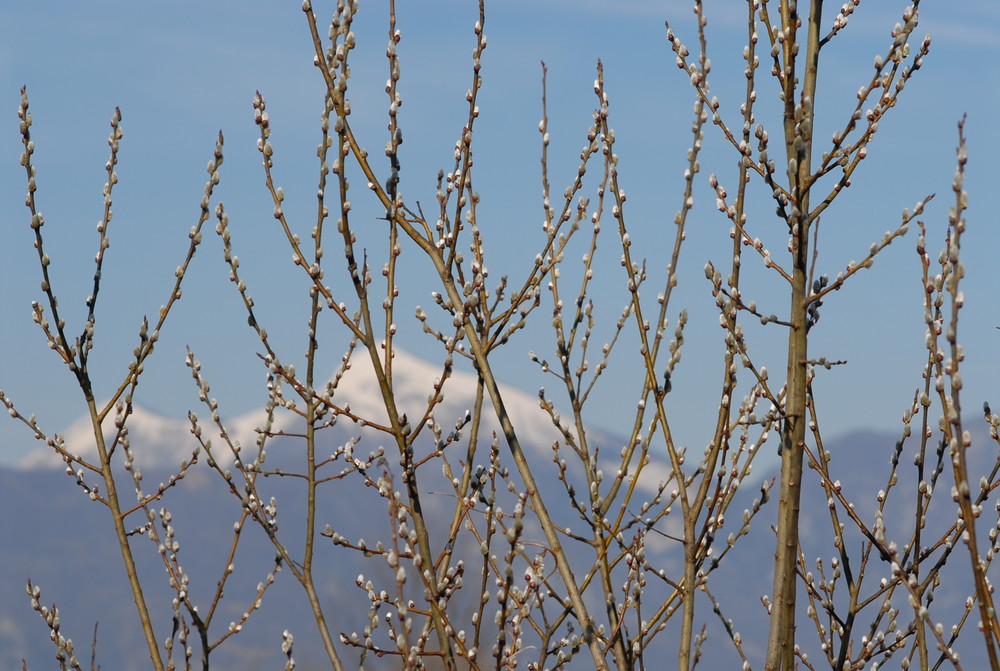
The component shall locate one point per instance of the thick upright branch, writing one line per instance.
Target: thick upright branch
(798, 145)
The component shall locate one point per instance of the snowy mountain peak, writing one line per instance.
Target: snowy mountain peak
(159, 440)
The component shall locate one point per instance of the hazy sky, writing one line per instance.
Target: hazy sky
(180, 71)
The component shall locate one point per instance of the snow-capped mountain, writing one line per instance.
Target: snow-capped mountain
(64, 543)
(163, 442)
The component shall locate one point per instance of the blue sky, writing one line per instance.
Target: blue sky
(181, 71)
